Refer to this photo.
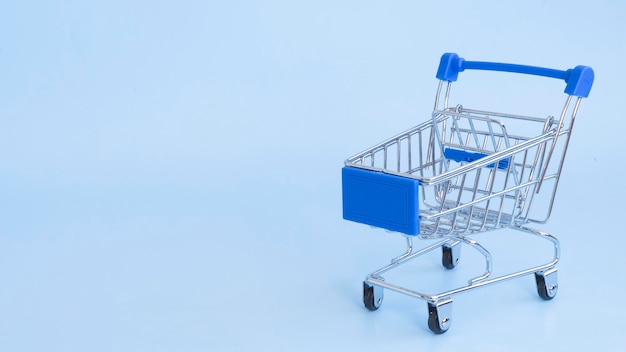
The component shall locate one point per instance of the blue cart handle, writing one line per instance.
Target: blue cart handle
(579, 79)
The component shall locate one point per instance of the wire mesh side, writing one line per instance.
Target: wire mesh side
(411, 153)
(482, 198)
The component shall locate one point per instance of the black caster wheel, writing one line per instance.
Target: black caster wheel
(547, 283)
(450, 255)
(372, 296)
(439, 316)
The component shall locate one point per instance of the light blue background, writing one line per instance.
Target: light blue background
(170, 173)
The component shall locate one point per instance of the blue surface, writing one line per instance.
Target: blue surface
(169, 173)
(382, 200)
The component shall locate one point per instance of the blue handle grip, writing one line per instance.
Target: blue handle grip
(579, 79)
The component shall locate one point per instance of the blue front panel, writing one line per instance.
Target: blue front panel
(381, 200)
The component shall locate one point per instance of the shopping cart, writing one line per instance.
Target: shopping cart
(461, 173)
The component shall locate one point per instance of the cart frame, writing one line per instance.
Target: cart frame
(460, 173)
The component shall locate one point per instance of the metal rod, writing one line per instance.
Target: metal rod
(376, 279)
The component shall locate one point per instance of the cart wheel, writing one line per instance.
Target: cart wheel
(547, 283)
(451, 253)
(439, 316)
(372, 296)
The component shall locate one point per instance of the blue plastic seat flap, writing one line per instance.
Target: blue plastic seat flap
(465, 156)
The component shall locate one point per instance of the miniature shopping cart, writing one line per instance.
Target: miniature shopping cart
(461, 173)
